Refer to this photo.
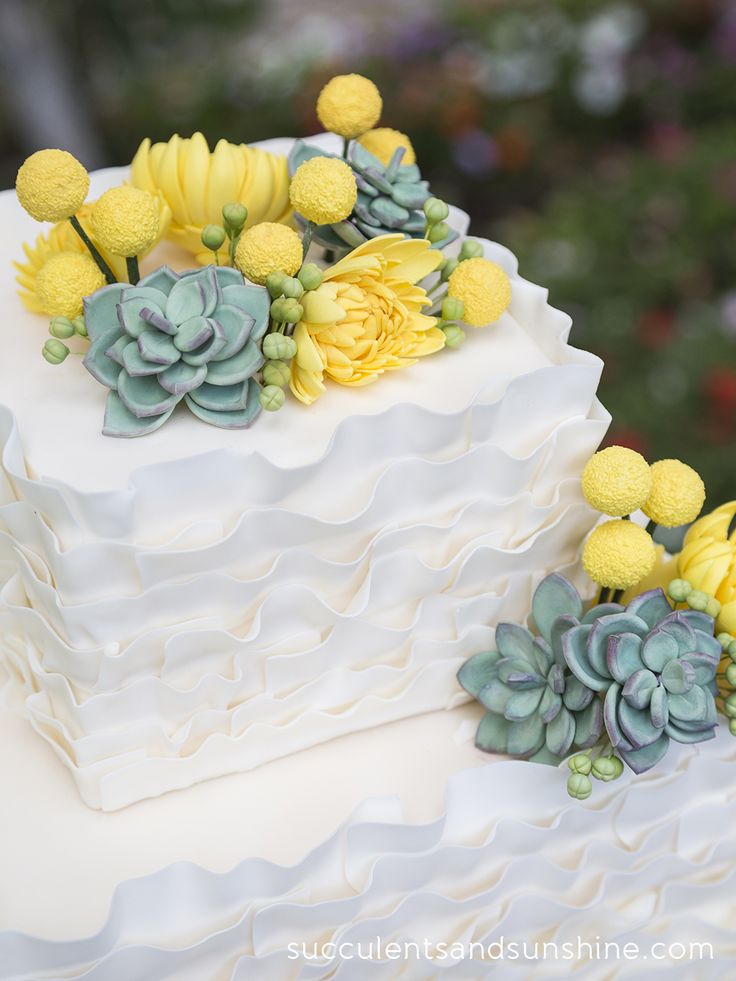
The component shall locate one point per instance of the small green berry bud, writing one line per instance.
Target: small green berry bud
(437, 232)
(79, 326)
(607, 768)
(470, 249)
(213, 237)
(732, 650)
(278, 347)
(275, 284)
(61, 327)
(278, 373)
(448, 268)
(454, 336)
(235, 216)
(679, 590)
(579, 786)
(277, 310)
(713, 607)
(292, 311)
(730, 706)
(724, 640)
(435, 210)
(292, 288)
(580, 764)
(732, 726)
(697, 600)
(271, 398)
(310, 276)
(55, 351)
(452, 308)
(731, 675)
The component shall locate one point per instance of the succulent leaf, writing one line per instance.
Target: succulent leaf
(553, 598)
(641, 760)
(478, 671)
(651, 606)
(492, 733)
(624, 656)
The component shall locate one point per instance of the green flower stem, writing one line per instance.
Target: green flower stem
(651, 526)
(604, 594)
(307, 238)
(131, 264)
(234, 239)
(345, 147)
(101, 264)
(617, 596)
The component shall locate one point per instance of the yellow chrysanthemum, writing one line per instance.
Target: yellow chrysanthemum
(63, 238)
(125, 221)
(619, 554)
(51, 185)
(268, 248)
(677, 495)
(349, 105)
(708, 561)
(197, 183)
(382, 143)
(617, 481)
(323, 190)
(366, 317)
(483, 287)
(65, 280)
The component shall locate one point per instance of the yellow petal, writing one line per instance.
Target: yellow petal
(308, 356)
(320, 309)
(223, 185)
(194, 178)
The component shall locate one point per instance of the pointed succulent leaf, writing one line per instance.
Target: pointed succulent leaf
(574, 646)
(494, 696)
(589, 724)
(636, 725)
(543, 656)
(181, 377)
(577, 696)
(515, 642)
(98, 363)
(410, 196)
(678, 677)
(134, 364)
(554, 597)
(161, 279)
(210, 348)
(522, 704)
(392, 167)
(243, 365)
(193, 333)
(652, 606)
(659, 648)
(193, 296)
(559, 628)
(560, 733)
(221, 398)
(659, 711)
(549, 706)
(689, 707)
(157, 348)
(237, 419)
(527, 737)
(120, 422)
(408, 173)
(144, 396)
(603, 630)
(492, 733)
(681, 631)
(133, 300)
(681, 735)
(100, 310)
(157, 320)
(641, 760)
(601, 610)
(623, 657)
(236, 326)
(302, 151)
(639, 688)
(704, 665)
(697, 620)
(478, 671)
(610, 718)
(556, 679)
(708, 645)
(116, 351)
(519, 674)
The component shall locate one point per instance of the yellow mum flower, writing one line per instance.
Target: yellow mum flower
(51, 185)
(65, 280)
(323, 190)
(63, 238)
(619, 554)
(197, 184)
(366, 317)
(125, 221)
(349, 105)
(268, 248)
(708, 561)
(382, 143)
(677, 494)
(617, 481)
(483, 287)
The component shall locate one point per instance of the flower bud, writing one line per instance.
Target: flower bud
(61, 327)
(607, 768)
(278, 347)
(679, 590)
(724, 640)
(213, 237)
(471, 249)
(731, 675)
(580, 764)
(278, 373)
(80, 327)
(55, 351)
(271, 398)
(732, 650)
(732, 726)
(275, 284)
(292, 288)
(435, 210)
(729, 705)
(310, 276)
(448, 268)
(277, 310)
(437, 232)
(454, 335)
(292, 311)
(235, 216)
(579, 786)
(452, 308)
(713, 607)
(697, 600)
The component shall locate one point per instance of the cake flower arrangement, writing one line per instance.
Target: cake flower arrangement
(363, 288)
(609, 685)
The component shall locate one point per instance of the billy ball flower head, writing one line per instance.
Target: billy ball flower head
(323, 190)
(125, 221)
(51, 185)
(483, 287)
(268, 248)
(64, 280)
(619, 554)
(677, 495)
(382, 142)
(617, 481)
(349, 105)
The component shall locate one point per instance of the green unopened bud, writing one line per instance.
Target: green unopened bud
(452, 308)
(292, 311)
(79, 326)
(730, 706)
(435, 210)
(732, 650)
(278, 373)
(235, 216)
(471, 249)
(292, 288)
(275, 284)
(724, 640)
(448, 268)
(713, 607)
(213, 237)
(271, 398)
(61, 327)
(607, 768)
(679, 590)
(732, 726)
(277, 310)
(55, 351)
(731, 675)
(310, 276)
(579, 786)
(454, 335)
(697, 600)
(278, 347)
(580, 764)
(438, 232)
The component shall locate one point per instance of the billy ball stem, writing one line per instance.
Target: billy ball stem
(93, 251)
(307, 238)
(131, 264)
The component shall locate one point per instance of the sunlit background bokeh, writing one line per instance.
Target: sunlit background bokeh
(596, 139)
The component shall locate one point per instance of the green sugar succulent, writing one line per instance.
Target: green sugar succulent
(171, 338)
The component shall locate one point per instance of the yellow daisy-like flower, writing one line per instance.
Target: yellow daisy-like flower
(366, 317)
(349, 105)
(323, 190)
(125, 221)
(65, 280)
(708, 561)
(619, 554)
(484, 289)
(51, 185)
(677, 495)
(617, 481)
(268, 248)
(63, 238)
(197, 184)
(383, 141)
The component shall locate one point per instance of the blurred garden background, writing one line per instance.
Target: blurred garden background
(595, 138)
